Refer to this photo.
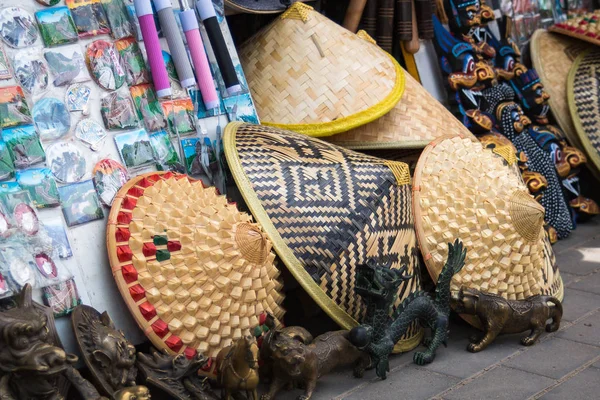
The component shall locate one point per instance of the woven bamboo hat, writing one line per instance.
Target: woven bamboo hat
(195, 272)
(583, 94)
(258, 6)
(309, 75)
(326, 210)
(462, 190)
(552, 56)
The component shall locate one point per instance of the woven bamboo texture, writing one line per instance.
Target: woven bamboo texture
(583, 88)
(417, 119)
(552, 56)
(309, 74)
(326, 210)
(462, 190)
(195, 272)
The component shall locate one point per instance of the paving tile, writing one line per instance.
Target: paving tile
(568, 278)
(590, 284)
(581, 260)
(329, 386)
(457, 361)
(577, 303)
(585, 331)
(554, 358)
(584, 233)
(584, 385)
(407, 383)
(501, 383)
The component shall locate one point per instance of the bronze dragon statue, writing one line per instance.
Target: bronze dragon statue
(378, 286)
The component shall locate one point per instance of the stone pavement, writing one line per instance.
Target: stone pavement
(562, 365)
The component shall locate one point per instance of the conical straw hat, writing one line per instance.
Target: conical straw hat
(257, 6)
(583, 93)
(552, 56)
(417, 119)
(326, 209)
(462, 190)
(195, 272)
(310, 75)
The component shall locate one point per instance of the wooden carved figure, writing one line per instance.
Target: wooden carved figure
(237, 366)
(499, 315)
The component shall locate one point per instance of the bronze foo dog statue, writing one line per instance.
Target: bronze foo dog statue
(296, 363)
(499, 315)
(32, 364)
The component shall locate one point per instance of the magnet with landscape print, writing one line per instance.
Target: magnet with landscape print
(66, 161)
(56, 26)
(24, 144)
(89, 17)
(104, 63)
(55, 227)
(80, 203)
(41, 186)
(109, 177)
(51, 118)
(67, 65)
(31, 70)
(17, 27)
(14, 109)
(7, 167)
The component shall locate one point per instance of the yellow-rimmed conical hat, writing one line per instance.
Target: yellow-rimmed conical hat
(552, 56)
(310, 75)
(195, 272)
(583, 91)
(326, 209)
(464, 191)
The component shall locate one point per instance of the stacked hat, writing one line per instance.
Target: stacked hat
(196, 273)
(327, 210)
(309, 75)
(462, 190)
(552, 56)
(258, 6)
(583, 93)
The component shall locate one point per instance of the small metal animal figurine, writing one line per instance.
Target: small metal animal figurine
(32, 364)
(132, 393)
(378, 286)
(237, 367)
(176, 375)
(266, 354)
(296, 363)
(498, 315)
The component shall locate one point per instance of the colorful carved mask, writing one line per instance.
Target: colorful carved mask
(507, 62)
(511, 117)
(463, 15)
(531, 95)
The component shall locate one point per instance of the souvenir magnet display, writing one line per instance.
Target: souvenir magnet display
(180, 115)
(7, 166)
(17, 27)
(153, 228)
(21, 267)
(45, 265)
(89, 17)
(277, 173)
(41, 186)
(109, 177)
(105, 66)
(133, 61)
(31, 71)
(118, 112)
(148, 108)
(56, 26)
(62, 297)
(135, 148)
(13, 107)
(51, 118)
(80, 203)
(77, 98)
(90, 132)
(116, 13)
(499, 315)
(67, 65)
(55, 228)
(24, 145)
(164, 152)
(4, 68)
(66, 161)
